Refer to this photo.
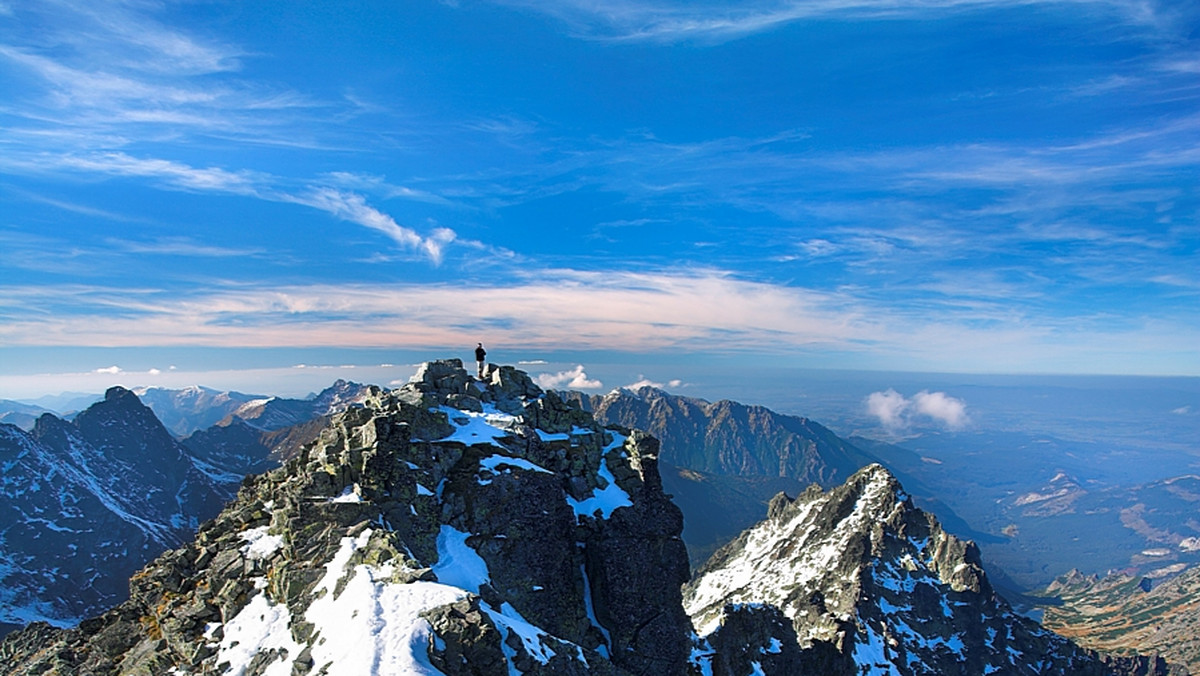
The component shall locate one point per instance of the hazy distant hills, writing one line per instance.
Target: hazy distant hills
(19, 414)
(193, 408)
(187, 410)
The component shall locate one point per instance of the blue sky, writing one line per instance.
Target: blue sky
(977, 186)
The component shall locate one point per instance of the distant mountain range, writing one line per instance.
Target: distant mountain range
(90, 500)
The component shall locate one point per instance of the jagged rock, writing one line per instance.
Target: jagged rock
(478, 527)
(869, 582)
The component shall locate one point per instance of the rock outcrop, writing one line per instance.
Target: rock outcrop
(857, 580)
(452, 525)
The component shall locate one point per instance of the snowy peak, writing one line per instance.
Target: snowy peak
(869, 584)
(451, 526)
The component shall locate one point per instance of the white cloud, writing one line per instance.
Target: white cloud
(667, 21)
(948, 410)
(897, 412)
(354, 208)
(643, 381)
(574, 379)
(110, 370)
(172, 175)
(889, 407)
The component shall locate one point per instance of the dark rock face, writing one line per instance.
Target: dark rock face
(238, 448)
(87, 502)
(722, 461)
(472, 527)
(870, 584)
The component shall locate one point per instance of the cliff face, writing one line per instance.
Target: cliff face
(729, 438)
(452, 525)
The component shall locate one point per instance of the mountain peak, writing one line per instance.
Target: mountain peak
(449, 524)
(118, 394)
(863, 580)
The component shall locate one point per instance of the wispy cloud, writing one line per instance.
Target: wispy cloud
(354, 208)
(665, 21)
(700, 312)
(173, 175)
(179, 246)
(111, 73)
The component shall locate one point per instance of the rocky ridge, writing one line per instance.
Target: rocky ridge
(857, 580)
(727, 437)
(448, 525)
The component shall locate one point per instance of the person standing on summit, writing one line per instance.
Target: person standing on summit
(480, 356)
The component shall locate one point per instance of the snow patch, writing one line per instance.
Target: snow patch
(603, 500)
(348, 494)
(259, 544)
(479, 427)
(458, 565)
(496, 464)
(259, 627)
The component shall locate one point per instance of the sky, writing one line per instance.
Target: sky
(231, 192)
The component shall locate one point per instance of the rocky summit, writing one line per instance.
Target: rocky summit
(856, 580)
(449, 526)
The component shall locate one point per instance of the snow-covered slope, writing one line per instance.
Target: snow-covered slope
(858, 581)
